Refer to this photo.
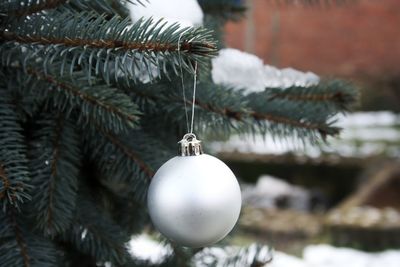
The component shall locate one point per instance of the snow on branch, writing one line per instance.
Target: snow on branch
(242, 70)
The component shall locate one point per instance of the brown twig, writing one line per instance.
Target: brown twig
(283, 120)
(5, 181)
(56, 154)
(9, 189)
(337, 97)
(106, 44)
(18, 237)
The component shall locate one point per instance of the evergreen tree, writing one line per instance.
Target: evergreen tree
(82, 131)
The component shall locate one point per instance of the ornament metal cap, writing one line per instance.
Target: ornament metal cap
(190, 146)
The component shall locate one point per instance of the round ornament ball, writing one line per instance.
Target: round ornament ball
(194, 199)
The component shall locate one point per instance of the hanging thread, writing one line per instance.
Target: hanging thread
(194, 95)
(182, 82)
(183, 88)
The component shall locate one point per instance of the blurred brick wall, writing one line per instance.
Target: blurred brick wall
(352, 40)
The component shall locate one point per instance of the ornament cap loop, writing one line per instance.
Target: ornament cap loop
(190, 146)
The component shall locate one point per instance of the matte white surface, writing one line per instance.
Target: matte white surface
(195, 201)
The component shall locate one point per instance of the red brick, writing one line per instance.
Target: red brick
(357, 39)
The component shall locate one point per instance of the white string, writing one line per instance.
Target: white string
(182, 83)
(194, 95)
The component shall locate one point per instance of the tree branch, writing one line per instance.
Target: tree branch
(336, 97)
(240, 116)
(18, 237)
(324, 130)
(130, 154)
(7, 186)
(56, 153)
(82, 95)
(5, 181)
(156, 46)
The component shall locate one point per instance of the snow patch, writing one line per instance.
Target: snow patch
(222, 257)
(269, 189)
(288, 77)
(238, 69)
(369, 119)
(242, 70)
(322, 255)
(144, 248)
(328, 256)
(84, 233)
(281, 259)
(185, 12)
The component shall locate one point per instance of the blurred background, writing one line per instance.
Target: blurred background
(336, 204)
(346, 193)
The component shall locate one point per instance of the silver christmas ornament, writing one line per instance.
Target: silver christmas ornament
(194, 199)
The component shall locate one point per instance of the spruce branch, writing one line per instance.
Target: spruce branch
(129, 213)
(19, 239)
(160, 47)
(270, 119)
(339, 95)
(21, 247)
(128, 48)
(130, 154)
(26, 102)
(285, 125)
(95, 103)
(215, 107)
(5, 182)
(104, 240)
(126, 162)
(283, 118)
(231, 109)
(14, 187)
(304, 108)
(15, 180)
(55, 170)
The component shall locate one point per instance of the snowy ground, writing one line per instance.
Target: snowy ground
(313, 255)
(328, 256)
